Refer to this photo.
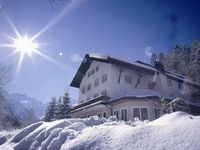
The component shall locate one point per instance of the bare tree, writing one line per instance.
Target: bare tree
(5, 75)
(5, 78)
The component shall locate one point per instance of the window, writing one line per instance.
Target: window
(97, 68)
(104, 78)
(128, 79)
(92, 72)
(99, 115)
(104, 114)
(136, 113)
(180, 84)
(124, 114)
(144, 114)
(83, 90)
(96, 82)
(169, 82)
(89, 73)
(116, 113)
(104, 93)
(140, 113)
(96, 95)
(157, 113)
(89, 87)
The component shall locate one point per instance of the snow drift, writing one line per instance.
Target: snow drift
(174, 131)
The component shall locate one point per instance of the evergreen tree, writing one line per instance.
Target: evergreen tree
(63, 107)
(153, 58)
(50, 111)
(66, 105)
(184, 60)
(58, 111)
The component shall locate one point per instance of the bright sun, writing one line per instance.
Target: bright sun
(24, 45)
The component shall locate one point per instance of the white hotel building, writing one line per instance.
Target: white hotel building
(110, 86)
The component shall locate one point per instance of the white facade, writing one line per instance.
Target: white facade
(103, 78)
(95, 91)
(113, 89)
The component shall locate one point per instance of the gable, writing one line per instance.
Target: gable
(89, 58)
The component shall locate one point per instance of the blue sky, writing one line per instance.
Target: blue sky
(121, 28)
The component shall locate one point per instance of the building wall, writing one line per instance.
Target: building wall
(174, 88)
(122, 88)
(104, 68)
(129, 104)
(112, 87)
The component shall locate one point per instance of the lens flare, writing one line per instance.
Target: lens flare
(25, 45)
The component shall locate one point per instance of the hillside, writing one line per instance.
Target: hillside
(19, 110)
(22, 100)
(178, 131)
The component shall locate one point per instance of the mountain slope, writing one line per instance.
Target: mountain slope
(19, 110)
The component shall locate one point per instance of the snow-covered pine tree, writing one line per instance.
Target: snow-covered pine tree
(58, 109)
(153, 58)
(66, 105)
(63, 107)
(50, 111)
(183, 60)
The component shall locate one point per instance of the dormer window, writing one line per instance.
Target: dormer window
(104, 78)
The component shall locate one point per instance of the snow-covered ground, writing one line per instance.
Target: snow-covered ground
(176, 131)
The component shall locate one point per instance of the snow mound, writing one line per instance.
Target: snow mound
(178, 131)
(168, 119)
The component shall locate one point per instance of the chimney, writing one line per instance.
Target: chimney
(159, 66)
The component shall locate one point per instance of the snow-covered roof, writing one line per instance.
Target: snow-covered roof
(107, 59)
(181, 78)
(138, 65)
(97, 100)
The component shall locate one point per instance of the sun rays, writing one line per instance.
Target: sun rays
(25, 45)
